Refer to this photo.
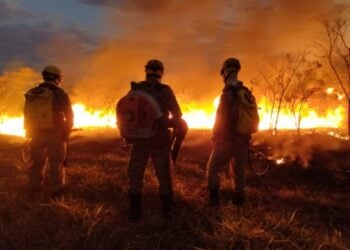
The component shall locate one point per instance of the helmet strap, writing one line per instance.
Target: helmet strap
(228, 75)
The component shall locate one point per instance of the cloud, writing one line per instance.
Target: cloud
(37, 44)
(19, 42)
(10, 10)
(149, 6)
(98, 2)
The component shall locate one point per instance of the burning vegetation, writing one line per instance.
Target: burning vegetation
(276, 111)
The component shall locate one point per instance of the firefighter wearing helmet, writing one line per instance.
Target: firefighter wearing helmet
(52, 73)
(154, 68)
(229, 143)
(48, 120)
(156, 147)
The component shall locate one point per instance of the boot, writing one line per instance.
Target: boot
(167, 204)
(213, 197)
(135, 206)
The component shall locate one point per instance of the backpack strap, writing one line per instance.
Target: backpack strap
(146, 86)
(246, 96)
(152, 89)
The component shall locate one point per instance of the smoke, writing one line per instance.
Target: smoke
(192, 38)
(13, 86)
(289, 148)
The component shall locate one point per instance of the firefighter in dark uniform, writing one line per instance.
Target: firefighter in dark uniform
(49, 144)
(158, 147)
(228, 142)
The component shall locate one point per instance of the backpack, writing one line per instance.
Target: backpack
(136, 114)
(248, 116)
(38, 108)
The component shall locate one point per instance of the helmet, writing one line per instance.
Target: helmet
(154, 64)
(154, 67)
(231, 63)
(51, 72)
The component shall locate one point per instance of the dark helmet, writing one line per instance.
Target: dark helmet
(154, 67)
(230, 63)
(51, 72)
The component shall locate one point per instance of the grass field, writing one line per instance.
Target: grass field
(302, 204)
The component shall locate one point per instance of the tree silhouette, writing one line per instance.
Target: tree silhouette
(305, 84)
(335, 47)
(275, 79)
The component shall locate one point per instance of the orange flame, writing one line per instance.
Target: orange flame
(198, 118)
(12, 125)
(333, 118)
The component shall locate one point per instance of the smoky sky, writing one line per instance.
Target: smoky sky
(192, 38)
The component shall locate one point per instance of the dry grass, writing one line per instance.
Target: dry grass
(290, 208)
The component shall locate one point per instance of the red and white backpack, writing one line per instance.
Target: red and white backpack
(137, 113)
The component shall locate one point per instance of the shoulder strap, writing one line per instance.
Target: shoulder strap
(147, 87)
(35, 91)
(246, 96)
(152, 89)
(244, 88)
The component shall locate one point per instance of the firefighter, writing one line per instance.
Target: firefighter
(48, 120)
(228, 142)
(157, 148)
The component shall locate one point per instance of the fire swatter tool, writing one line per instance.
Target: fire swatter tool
(26, 154)
(258, 162)
(177, 139)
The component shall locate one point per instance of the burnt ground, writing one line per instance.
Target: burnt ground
(303, 203)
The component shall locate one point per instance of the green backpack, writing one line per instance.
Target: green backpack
(248, 117)
(38, 110)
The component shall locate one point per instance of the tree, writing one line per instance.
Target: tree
(336, 49)
(305, 84)
(275, 80)
(269, 92)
